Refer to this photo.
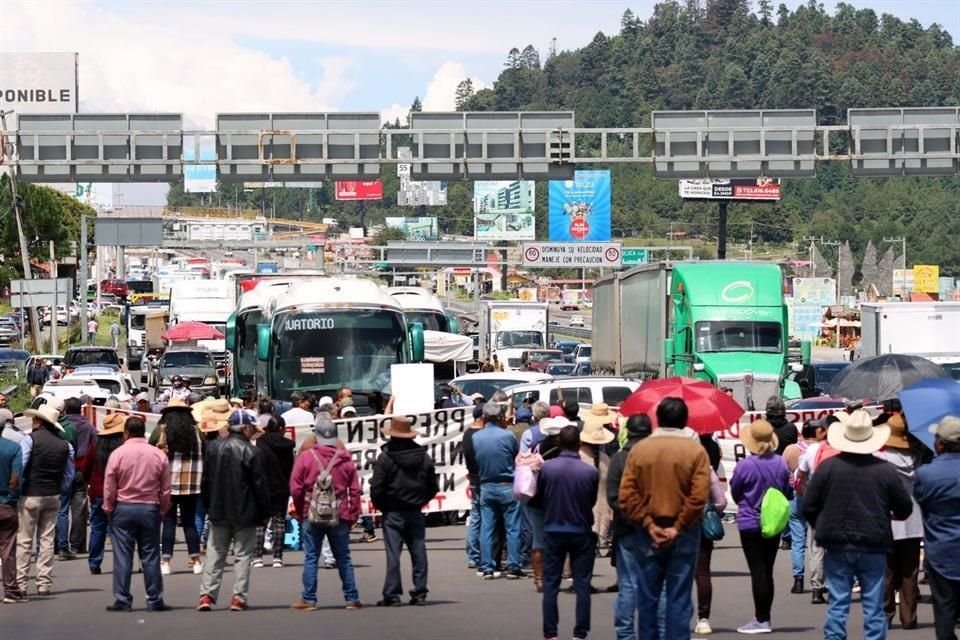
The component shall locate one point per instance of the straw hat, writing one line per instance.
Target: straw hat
(400, 427)
(47, 414)
(594, 433)
(176, 404)
(599, 414)
(759, 437)
(112, 424)
(898, 433)
(855, 433)
(212, 415)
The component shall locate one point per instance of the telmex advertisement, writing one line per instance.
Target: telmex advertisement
(39, 82)
(504, 210)
(734, 189)
(370, 190)
(580, 208)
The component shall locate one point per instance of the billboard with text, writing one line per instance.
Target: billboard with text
(368, 190)
(419, 229)
(580, 208)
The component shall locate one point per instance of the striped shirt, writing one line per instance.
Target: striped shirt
(186, 471)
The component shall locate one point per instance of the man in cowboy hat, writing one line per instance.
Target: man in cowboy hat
(849, 502)
(404, 481)
(136, 495)
(72, 520)
(938, 493)
(235, 493)
(48, 469)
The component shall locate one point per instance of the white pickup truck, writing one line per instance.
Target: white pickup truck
(96, 382)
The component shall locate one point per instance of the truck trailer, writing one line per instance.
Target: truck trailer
(510, 327)
(928, 329)
(723, 322)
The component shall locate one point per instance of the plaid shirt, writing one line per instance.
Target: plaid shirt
(186, 470)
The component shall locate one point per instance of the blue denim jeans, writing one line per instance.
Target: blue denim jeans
(137, 525)
(582, 550)
(99, 530)
(473, 528)
(625, 606)
(339, 536)
(536, 526)
(798, 536)
(497, 502)
(840, 568)
(665, 573)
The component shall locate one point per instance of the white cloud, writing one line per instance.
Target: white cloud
(395, 112)
(441, 92)
(128, 64)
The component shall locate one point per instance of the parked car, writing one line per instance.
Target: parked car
(486, 384)
(55, 361)
(538, 359)
(13, 361)
(576, 321)
(194, 364)
(581, 354)
(85, 356)
(561, 369)
(583, 390)
(63, 316)
(814, 378)
(9, 330)
(116, 287)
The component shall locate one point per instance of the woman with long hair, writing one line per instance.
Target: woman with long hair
(108, 439)
(181, 440)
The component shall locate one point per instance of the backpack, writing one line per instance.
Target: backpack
(774, 513)
(324, 507)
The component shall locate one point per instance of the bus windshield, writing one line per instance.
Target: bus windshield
(738, 335)
(431, 320)
(328, 349)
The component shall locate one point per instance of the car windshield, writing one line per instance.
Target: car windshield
(186, 359)
(543, 356)
(431, 320)
(738, 335)
(85, 357)
(826, 372)
(515, 339)
(567, 348)
(560, 369)
(485, 386)
(953, 368)
(584, 352)
(336, 348)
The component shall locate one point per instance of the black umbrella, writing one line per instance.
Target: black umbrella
(883, 377)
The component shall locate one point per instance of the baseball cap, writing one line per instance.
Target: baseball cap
(348, 410)
(142, 396)
(325, 430)
(947, 429)
(553, 426)
(241, 419)
(324, 401)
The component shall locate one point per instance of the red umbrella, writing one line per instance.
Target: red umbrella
(191, 331)
(710, 409)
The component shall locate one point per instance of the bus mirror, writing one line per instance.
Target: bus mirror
(805, 350)
(416, 342)
(668, 351)
(453, 323)
(231, 332)
(263, 342)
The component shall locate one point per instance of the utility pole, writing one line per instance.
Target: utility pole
(24, 250)
(54, 321)
(83, 279)
(813, 260)
(903, 249)
(835, 243)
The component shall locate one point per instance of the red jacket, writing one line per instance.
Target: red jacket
(346, 482)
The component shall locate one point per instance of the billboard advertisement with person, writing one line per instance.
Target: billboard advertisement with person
(580, 208)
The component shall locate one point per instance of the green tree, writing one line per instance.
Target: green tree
(464, 93)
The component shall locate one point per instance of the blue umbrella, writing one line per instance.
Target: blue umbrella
(927, 402)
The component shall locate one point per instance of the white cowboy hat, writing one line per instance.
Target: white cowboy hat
(47, 414)
(855, 433)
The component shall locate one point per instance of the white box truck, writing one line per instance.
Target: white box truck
(510, 327)
(928, 329)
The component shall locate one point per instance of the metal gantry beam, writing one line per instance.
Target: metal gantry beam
(489, 145)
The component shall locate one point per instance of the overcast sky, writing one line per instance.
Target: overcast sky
(204, 58)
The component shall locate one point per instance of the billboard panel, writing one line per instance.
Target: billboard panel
(926, 278)
(766, 189)
(38, 83)
(572, 254)
(420, 229)
(504, 210)
(200, 178)
(416, 193)
(810, 296)
(369, 190)
(580, 208)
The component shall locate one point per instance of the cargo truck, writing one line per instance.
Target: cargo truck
(570, 300)
(723, 322)
(510, 327)
(928, 329)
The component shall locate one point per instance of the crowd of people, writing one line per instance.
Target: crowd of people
(855, 499)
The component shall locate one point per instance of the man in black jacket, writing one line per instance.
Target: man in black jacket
(849, 503)
(404, 481)
(235, 493)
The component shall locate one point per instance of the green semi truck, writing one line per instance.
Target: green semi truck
(723, 322)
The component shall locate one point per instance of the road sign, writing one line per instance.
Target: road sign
(572, 254)
(40, 293)
(634, 256)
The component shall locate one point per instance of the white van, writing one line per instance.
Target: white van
(584, 390)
